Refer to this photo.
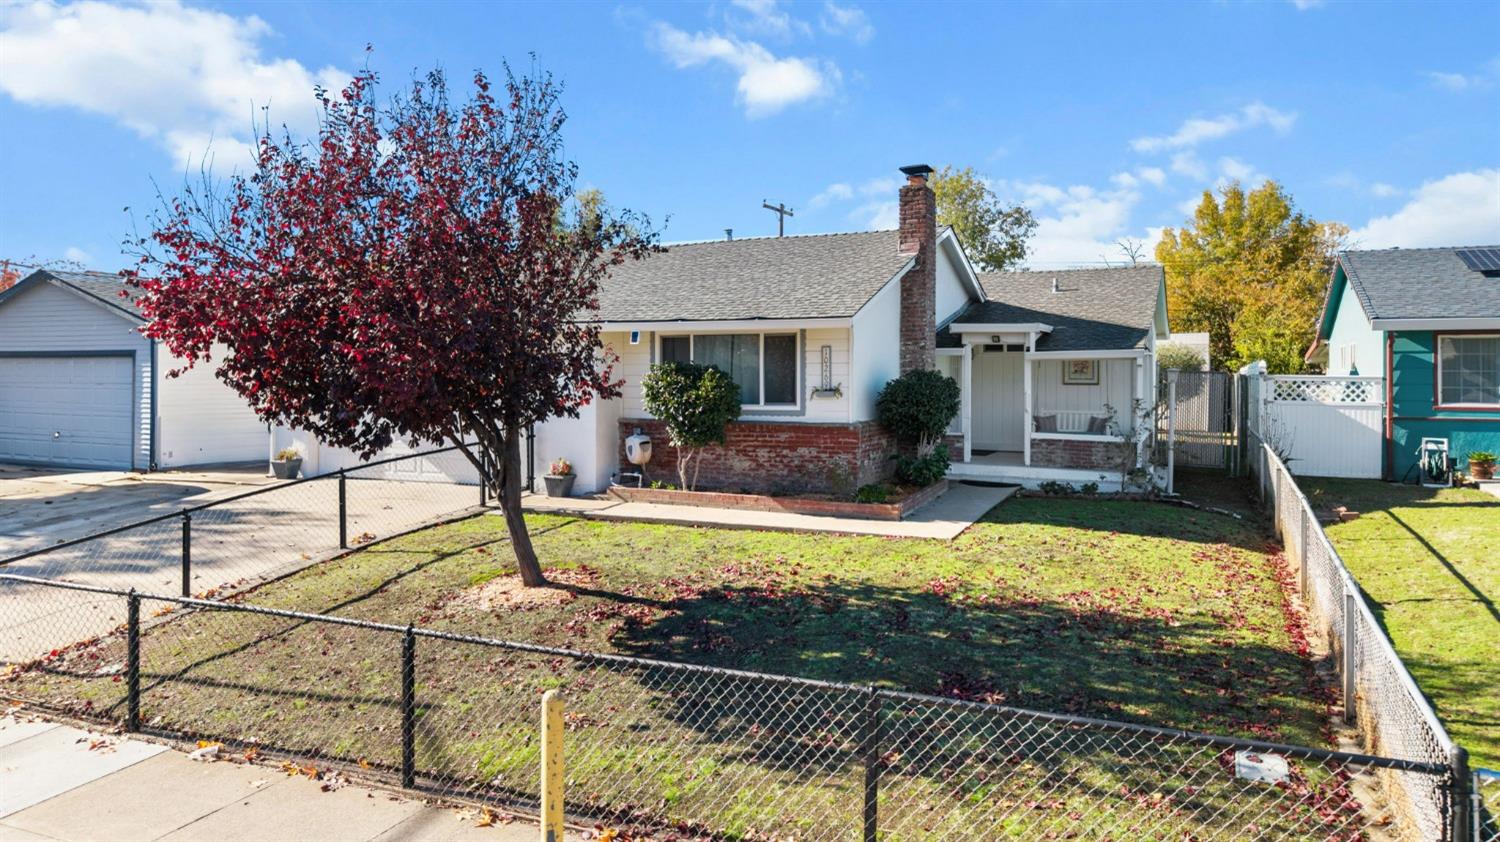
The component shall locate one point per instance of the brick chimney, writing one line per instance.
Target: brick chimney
(919, 286)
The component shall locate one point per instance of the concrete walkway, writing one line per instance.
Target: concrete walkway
(61, 783)
(944, 518)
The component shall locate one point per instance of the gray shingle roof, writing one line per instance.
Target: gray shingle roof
(801, 277)
(1093, 309)
(1428, 283)
(102, 286)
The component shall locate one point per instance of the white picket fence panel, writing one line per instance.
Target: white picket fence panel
(1326, 426)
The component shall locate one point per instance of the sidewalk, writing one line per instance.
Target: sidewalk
(944, 518)
(62, 783)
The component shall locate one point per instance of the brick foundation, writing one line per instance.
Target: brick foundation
(776, 458)
(1064, 453)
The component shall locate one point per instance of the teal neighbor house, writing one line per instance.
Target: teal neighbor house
(1428, 321)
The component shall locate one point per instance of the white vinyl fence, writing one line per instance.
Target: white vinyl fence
(1322, 426)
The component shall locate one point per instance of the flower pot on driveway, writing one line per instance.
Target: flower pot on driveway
(286, 468)
(559, 486)
(1481, 470)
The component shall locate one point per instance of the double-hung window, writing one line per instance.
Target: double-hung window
(763, 365)
(1468, 370)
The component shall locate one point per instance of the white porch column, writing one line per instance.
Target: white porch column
(966, 413)
(1026, 399)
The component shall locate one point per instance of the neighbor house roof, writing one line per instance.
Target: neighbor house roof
(1430, 283)
(800, 277)
(102, 287)
(1088, 309)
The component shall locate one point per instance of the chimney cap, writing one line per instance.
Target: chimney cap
(916, 170)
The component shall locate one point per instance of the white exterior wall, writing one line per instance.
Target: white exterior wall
(49, 318)
(1352, 336)
(201, 420)
(1116, 388)
(953, 293)
(875, 350)
(635, 362)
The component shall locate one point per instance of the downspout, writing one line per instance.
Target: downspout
(155, 387)
(1390, 423)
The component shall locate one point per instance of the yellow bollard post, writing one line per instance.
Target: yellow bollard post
(552, 766)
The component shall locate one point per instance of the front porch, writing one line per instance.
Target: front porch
(1029, 417)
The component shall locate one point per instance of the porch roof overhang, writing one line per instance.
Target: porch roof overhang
(1480, 323)
(999, 327)
(1084, 354)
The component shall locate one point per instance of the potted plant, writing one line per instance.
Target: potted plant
(287, 464)
(1481, 464)
(559, 478)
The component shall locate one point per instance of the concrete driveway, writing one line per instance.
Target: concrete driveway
(40, 506)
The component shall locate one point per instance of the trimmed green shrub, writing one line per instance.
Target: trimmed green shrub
(696, 403)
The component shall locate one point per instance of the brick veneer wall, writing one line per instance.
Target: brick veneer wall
(766, 457)
(1065, 453)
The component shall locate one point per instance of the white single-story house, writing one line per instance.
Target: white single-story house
(1050, 364)
(80, 387)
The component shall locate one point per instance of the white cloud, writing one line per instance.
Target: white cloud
(847, 21)
(839, 192)
(1155, 176)
(77, 255)
(1381, 190)
(1481, 79)
(879, 216)
(767, 17)
(1187, 163)
(1459, 209)
(766, 83)
(1304, 5)
(1233, 169)
(1451, 81)
(177, 75)
(1078, 225)
(1198, 130)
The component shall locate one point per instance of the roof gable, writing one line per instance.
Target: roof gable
(99, 288)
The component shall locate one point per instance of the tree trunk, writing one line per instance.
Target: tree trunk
(510, 503)
(684, 455)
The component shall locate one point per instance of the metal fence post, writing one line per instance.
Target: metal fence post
(552, 766)
(870, 750)
(187, 553)
(343, 513)
(1459, 829)
(409, 708)
(132, 661)
(484, 477)
(1351, 644)
(1302, 554)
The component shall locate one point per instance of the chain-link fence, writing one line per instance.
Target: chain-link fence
(226, 545)
(1486, 805)
(1205, 418)
(1392, 716)
(694, 751)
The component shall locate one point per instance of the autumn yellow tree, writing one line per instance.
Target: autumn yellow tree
(1250, 269)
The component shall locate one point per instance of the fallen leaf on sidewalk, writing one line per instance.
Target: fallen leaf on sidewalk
(207, 753)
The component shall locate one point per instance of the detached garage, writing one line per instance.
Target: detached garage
(81, 387)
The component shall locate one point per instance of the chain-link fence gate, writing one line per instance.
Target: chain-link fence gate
(1201, 418)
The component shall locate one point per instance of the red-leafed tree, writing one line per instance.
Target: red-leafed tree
(415, 273)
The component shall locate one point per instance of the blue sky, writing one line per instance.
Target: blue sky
(1108, 119)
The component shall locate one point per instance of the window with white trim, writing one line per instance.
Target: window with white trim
(763, 365)
(1468, 370)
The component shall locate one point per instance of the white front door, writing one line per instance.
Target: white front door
(999, 396)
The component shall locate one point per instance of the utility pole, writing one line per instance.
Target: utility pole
(782, 212)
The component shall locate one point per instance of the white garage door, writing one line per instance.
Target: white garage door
(73, 411)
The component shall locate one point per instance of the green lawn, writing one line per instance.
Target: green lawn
(1125, 610)
(1428, 561)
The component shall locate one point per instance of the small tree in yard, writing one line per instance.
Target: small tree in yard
(410, 274)
(695, 403)
(917, 408)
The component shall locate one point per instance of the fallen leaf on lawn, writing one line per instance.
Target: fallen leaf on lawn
(363, 763)
(251, 753)
(609, 834)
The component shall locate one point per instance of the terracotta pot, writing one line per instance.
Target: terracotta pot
(1482, 470)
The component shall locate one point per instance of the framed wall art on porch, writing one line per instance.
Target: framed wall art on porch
(1080, 372)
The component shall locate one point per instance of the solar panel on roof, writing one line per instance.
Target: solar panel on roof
(1480, 260)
